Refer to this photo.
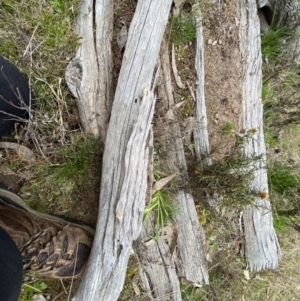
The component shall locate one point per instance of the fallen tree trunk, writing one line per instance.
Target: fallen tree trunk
(89, 74)
(262, 248)
(200, 131)
(158, 271)
(185, 255)
(125, 162)
(190, 235)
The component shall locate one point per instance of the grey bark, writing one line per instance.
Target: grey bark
(190, 234)
(200, 132)
(89, 74)
(185, 255)
(158, 271)
(262, 247)
(157, 268)
(125, 162)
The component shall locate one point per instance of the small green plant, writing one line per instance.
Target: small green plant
(228, 128)
(183, 29)
(283, 179)
(272, 42)
(231, 175)
(29, 290)
(162, 208)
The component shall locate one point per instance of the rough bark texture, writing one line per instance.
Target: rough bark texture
(157, 268)
(158, 271)
(262, 248)
(190, 235)
(125, 162)
(190, 241)
(89, 74)
(184, 255)
(200, 132)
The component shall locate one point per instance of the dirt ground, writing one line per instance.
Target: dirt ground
(222, 73)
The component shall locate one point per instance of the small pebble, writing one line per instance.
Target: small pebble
(214, 43)
(209, 42)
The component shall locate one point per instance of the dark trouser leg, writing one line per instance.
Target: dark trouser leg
(11, 268)
(15, 100)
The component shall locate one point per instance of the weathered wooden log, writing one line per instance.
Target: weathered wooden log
(157, 268)
(158, 271)
(200, 132)
(89, 74)
(262, 248)
(186, 219)
(190, 241)
(125, 162)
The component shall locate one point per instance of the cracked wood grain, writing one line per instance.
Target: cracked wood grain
(262, 247)
(89, 73)
(126, 156)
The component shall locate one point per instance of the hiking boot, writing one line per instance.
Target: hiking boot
(50, 246)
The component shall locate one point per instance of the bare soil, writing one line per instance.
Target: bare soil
(222, 73)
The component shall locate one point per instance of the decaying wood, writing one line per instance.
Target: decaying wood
(158, 271)
(125, 162)
(191, 248)
(200, 131)
(89, 74)
(190, 241)
(175, 70)
(262, 248)
(185, 255)
(157, 268)
(21, 150)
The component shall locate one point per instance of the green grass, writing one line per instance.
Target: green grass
(68, 173)
(283, 179)
(230, 176)
(39, 38)
(228, 128)
(29, 290)
(272, 42)
(183, 29)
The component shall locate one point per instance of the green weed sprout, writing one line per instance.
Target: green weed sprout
(29, 290)
(183, 30)
(162, 209)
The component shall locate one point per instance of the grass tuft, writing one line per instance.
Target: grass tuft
(183, 30)
(283, 179)
(230, 176)
(161, 208)
(69, 172)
